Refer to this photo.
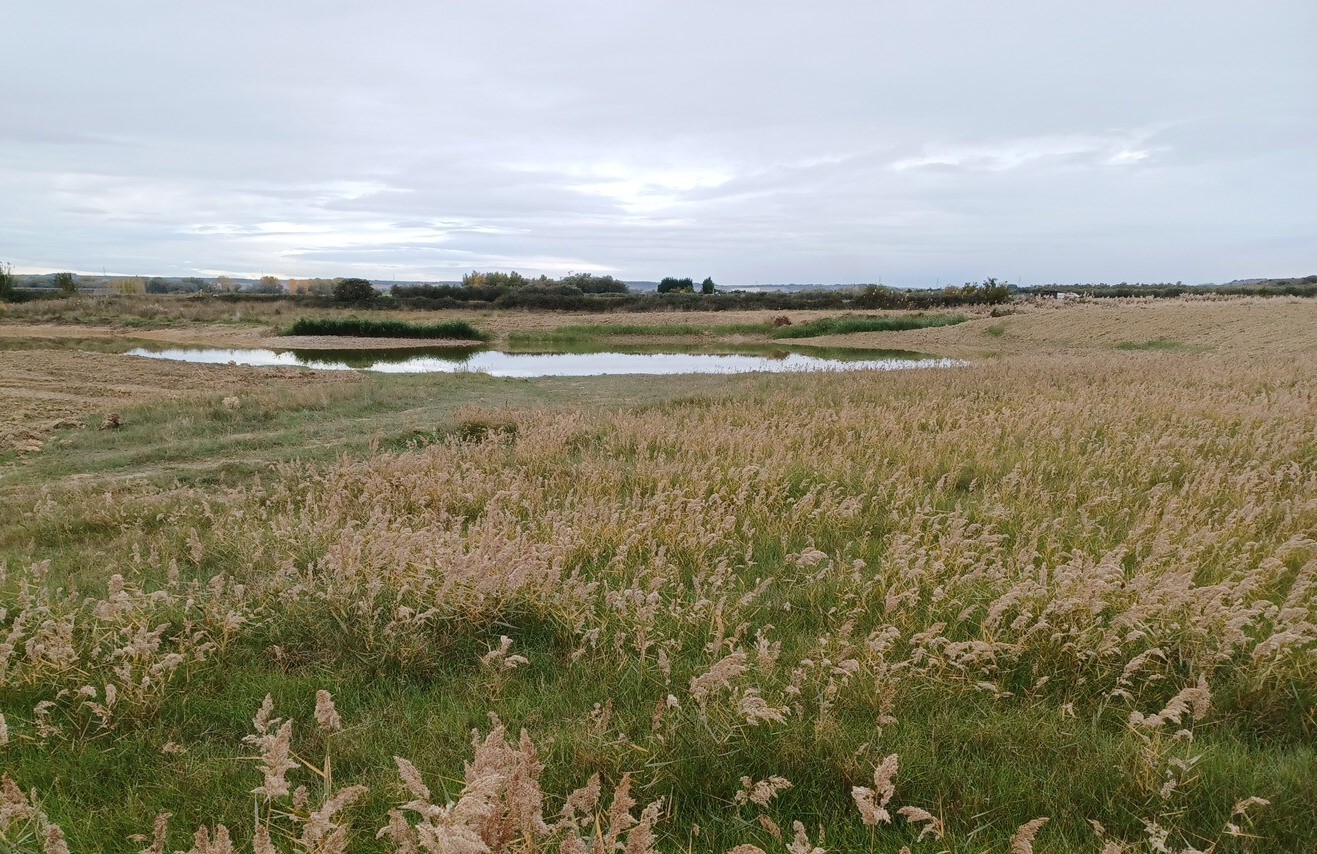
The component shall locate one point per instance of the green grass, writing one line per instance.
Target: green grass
(848, 325)
(988, 764)
(364, 328)
(1158, 344)
(201, 442)
(841, 325)
(1005, 763)
(587, 332)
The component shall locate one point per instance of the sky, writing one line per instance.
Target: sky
(912, 143)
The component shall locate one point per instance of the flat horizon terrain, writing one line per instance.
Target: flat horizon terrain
(1059, 599)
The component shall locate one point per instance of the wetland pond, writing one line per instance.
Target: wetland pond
(571, 362)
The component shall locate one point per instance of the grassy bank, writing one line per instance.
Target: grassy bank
(1065, 588)
(581, 333)
(458, 330)
(840, 325)
(848, 324)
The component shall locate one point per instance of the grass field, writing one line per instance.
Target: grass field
(1073, 582)
(765, 329)
(846, 325)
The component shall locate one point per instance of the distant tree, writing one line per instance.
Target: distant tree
(67, 283)
(226, 284)
(707, 286)
(127, 285)
(311, 287)
(354, 290)
(476, 279)
(878, 296)
(6, 283)
(669, 285)
(589, 283)
(995, 293)
(269, 285)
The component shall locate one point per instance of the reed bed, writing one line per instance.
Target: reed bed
(458, 330)
(1059, 605)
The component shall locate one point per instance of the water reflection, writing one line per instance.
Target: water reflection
(616, 360)
(368, 360)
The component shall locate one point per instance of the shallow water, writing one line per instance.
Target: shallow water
(511, 364)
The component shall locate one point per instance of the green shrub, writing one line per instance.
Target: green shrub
(670, 285)
(66, 283)
(354, 290)
(353, 326)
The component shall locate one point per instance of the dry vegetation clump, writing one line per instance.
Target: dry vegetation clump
(966, 610)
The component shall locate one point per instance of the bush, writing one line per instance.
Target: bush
(67, 283)
(589, 283)
(354, 290)
(670, 285)
(493, 280)
(458, 329)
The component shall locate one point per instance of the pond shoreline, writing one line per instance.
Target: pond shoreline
(500, 363)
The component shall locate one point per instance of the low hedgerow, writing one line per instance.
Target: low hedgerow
(353, 326)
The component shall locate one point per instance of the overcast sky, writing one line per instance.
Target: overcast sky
(912, 142)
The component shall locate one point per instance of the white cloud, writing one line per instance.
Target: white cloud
(1032, 151)
(778, 141)
(633, 188)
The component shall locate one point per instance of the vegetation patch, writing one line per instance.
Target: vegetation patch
(847, 325)
(362, 328)
(594, 331)
(1157, 344)
(1056, 604)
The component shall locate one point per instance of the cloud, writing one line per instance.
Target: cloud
(777, 141)
(1070, 151)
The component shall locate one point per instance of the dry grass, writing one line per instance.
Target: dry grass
(43, 390)
(966, 610)
(1240, 326)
